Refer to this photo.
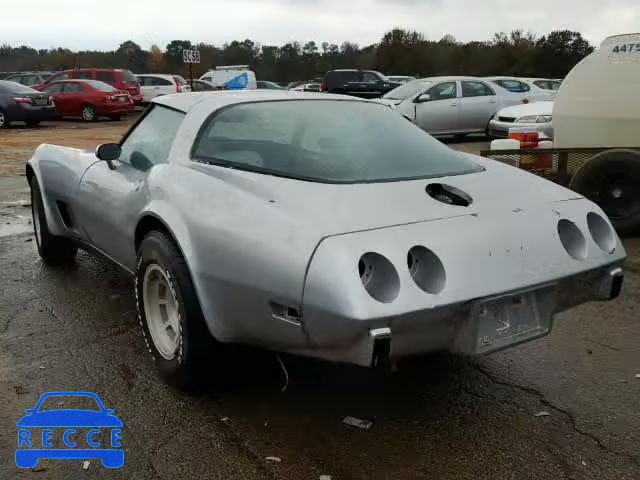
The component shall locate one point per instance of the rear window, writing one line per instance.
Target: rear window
(101, 86)
(107, 77)
(407, 90)
(128, 77)
(326, 141)
(341, 77)
(513, 85)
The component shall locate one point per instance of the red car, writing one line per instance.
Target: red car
(120, 79)
(88, 99)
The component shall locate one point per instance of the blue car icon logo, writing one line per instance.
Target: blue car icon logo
(84, 434)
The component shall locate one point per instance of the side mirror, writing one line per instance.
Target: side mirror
(29, 410)
(108, 152)
(425, 97)
(109, 411)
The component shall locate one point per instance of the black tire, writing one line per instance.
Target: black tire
(4, 119)
(611, 180)
(33, 123)
(53, 250)
(192, 364)
(460, 137)
(88, 113)
(115, 117)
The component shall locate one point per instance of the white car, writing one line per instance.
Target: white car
(536, 115)
(153, 85)
(527, 88)
(450, 105)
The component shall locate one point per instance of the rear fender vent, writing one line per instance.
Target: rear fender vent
(64, 214)
(448, 195)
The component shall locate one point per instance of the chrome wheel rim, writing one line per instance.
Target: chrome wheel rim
(2, 120)
(87, 113)
(161, 311)
(36, 219)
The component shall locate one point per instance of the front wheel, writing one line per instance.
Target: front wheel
(88, 113)
(172, 322)
(52, 249)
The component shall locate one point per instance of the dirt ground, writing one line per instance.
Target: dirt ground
(17, 144)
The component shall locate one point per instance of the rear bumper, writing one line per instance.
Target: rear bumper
(114, 109)
(27, 113)
(525, 264)
(137, 99)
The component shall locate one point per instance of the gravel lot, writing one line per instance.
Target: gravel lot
(438, 417)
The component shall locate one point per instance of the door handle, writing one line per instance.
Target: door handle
(455, 104)
(492, 100)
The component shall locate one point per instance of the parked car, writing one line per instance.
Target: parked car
(19, 103)
(527, 88)
(88, 99)
(307, 87)
(266, 85)
(536, 115)
(320, 226)
(358, 83)
(450, 105)
(153, 85)
(29, 78)
(120, 79)
(400, 78)
(203, 86)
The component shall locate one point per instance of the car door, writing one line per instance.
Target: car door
(109, 202)
(146, 89)
(55, 90)
(73, 96)
(439, 113)
(477, 105)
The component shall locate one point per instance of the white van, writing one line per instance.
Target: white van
(232, 77)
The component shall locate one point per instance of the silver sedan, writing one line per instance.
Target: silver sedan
(450, 105)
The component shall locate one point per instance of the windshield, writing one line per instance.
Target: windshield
(407, 90)
(326, 140)
(129, 77)
(101, 86)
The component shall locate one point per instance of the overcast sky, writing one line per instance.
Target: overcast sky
(104, 25)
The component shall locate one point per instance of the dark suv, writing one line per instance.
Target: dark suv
(359, 83)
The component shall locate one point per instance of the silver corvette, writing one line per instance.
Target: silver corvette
(318, 225)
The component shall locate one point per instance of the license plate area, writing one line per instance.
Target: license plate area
(40, 101)
(507, 320)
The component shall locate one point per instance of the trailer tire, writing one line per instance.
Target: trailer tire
(611, 180)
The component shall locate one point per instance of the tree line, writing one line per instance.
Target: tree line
(400, 52)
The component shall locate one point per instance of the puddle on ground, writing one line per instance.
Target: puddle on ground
(15, 218)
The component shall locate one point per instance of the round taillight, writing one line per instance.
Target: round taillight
(379, 277)
(572, 239)
(601, 232)
(426, 269)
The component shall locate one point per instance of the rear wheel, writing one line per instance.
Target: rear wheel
(172, 322)
(52, 249)
(33, 123)
(4, 120)
(611, 180)
(88, 113)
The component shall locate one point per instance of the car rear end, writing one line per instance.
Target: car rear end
(116, 103)
(129, 83)
(181, 84)
(27, 105)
